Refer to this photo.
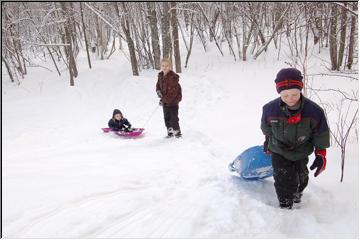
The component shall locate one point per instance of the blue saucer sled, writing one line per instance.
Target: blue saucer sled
(253, 164)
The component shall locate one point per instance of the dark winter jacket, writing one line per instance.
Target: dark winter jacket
(295, 135)
(170, 88)
(118, 125)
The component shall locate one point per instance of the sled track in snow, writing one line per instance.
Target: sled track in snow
(160, 227)
(66, 207)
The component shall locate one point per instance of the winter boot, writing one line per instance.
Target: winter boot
(286, 203)
(297, 197)
(170, 133)
(177, 133)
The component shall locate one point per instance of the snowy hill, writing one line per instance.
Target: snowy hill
(63, 177)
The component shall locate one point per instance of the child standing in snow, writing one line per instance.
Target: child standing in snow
(168, 90)
(293, 126)
(119, 123)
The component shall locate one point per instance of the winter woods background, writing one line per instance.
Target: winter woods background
(56, 31)
(37, 33)
(67, 65)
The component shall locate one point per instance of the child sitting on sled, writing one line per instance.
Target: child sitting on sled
(119, 123)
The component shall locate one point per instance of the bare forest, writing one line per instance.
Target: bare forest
(145, 32)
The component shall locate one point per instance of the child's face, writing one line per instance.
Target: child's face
(290, 96)
(165, 67)
(117, 116)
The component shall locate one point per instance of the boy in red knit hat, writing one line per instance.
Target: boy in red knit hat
(294, 127)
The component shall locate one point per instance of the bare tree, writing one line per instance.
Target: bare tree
(85, 38)
(60, 30)
(246, 37)
(211, 30)
(165, 30)
(341, 134)
(69, 46)
(175, 37)
(346, 122)
(155, 43)
(333, 37)
(126, 28)
(8, 69)
(189, 49)
(343, 24)
(352, 38)
(278, 26)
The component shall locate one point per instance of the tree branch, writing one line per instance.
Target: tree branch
(348, 9)
(335, 90)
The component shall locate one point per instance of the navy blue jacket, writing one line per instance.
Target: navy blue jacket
(119, 125)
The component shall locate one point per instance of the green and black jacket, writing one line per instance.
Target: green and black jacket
(294, 136)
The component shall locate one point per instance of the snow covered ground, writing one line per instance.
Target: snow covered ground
(63, 177)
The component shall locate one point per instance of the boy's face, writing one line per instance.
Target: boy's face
(165, 67)
(117, 116)
(290, 96)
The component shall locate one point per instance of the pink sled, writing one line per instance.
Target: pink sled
(135, 133)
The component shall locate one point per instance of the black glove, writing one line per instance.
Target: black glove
(161, 103)
(158, 92)
(319, 162)
(266, 145)
(129, 129)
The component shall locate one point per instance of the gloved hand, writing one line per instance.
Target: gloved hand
(161, 103)
(129, 129)
(158, 92)
(266, 145)
(319, 162)
(126, 128)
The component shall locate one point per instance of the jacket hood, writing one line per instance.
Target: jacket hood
(116, 111)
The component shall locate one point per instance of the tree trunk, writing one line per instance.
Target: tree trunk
(352, 39)
(99, 40)
(226, 22)
(200, 34)
(191, 40)
(175, 36)
(343, 151)
(213, 24)
(146, 39)
(237, 41)
(86, 41)
(68, 48)
(211, 30)
(342, 36)
(277, 27)
(165, 30)
(126, 28)
(333, 37)
(154, 34)
(16, 48)
(8, 69)
(246, 38)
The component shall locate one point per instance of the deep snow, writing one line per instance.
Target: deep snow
(64, 177)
